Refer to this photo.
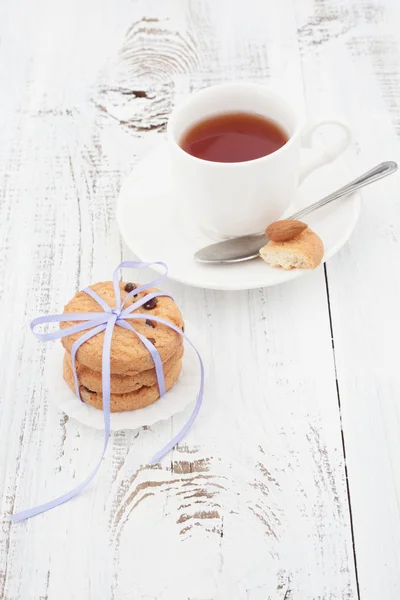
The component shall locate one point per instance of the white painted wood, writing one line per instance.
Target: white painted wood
(254, 504)
(350, 59)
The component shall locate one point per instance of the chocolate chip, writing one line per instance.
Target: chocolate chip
(152, 341)
(150, 323)
(129, 287)
(183, 327)
(150, 304)
(87, 390)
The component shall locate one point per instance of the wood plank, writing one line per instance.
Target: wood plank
(355, 69)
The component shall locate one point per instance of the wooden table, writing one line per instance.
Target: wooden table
(288, 485)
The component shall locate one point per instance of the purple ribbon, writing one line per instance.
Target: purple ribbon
(95, 322)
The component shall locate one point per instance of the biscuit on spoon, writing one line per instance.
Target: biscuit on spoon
(292, 245)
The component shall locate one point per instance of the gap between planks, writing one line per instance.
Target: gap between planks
(342, 433)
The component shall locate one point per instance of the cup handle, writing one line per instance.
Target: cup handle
(312, 158)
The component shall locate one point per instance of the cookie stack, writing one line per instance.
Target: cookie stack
(133, 376)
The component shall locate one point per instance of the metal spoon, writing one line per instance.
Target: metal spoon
(248, 247)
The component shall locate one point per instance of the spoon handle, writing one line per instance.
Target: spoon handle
(378, 172)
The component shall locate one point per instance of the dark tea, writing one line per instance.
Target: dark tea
(233, 137)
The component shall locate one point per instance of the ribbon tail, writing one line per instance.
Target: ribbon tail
(182, 433)
(32, 512)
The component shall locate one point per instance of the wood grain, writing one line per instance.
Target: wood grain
(364, 282)
(286, 487)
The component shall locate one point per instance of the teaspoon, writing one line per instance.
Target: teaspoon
(248, 247)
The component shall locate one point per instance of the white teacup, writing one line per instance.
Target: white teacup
(233, 199)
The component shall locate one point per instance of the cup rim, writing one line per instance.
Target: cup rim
(244, 84)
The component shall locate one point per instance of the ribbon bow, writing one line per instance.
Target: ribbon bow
(105, 321)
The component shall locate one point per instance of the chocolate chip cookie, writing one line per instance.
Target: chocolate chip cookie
(128, 353)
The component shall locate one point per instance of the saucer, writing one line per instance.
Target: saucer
(154, 226)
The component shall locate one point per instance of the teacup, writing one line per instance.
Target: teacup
(229, 199)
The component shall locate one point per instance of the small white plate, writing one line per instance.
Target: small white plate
(154, 226)
(184, 391)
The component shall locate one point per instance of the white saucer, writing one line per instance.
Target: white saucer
(151, 224)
